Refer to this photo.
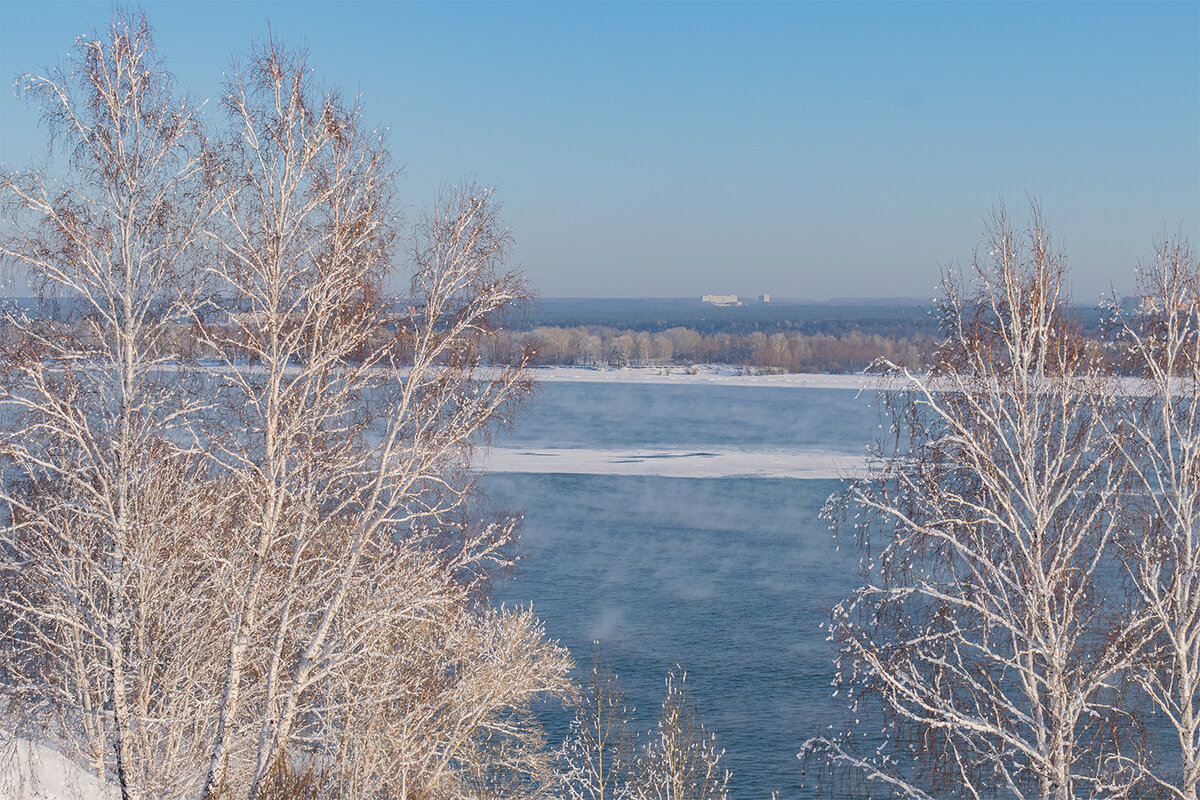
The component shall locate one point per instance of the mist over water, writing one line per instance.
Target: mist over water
(614, 415)
(729, 577)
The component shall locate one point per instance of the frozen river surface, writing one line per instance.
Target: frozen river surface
(728, 576)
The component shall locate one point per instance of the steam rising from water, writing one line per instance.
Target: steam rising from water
(643, 532)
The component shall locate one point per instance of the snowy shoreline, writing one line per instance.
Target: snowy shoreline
(728, 375)
(703, 375)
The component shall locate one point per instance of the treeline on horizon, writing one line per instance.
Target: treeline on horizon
(793, 351)
(588, 346)
(819, 338)
(855, 348)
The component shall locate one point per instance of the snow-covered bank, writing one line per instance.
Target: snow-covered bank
(705, 374)
(675, 463)
(33, 772)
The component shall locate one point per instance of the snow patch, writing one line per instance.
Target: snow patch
(31, 771)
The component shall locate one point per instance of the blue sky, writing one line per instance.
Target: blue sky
(802, 149)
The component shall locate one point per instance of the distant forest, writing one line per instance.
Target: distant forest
(598, 345)
(838, 337)
(770, 337)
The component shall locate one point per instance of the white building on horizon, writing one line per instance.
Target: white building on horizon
(720, 299)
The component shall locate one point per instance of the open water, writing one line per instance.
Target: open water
(729, 577)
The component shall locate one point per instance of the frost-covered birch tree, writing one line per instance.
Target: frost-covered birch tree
(984, 652)
(603, 757)
(681, 759)
(101, 492)
(598, 755)
(361, 557)
(1161, 443)
(267, 571)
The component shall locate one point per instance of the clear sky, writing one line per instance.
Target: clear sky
(801, 149)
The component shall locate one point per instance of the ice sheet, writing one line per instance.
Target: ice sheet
(707, 463)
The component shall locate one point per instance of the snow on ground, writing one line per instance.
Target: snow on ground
(33, 772)
(706, 374)
(710, 463)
